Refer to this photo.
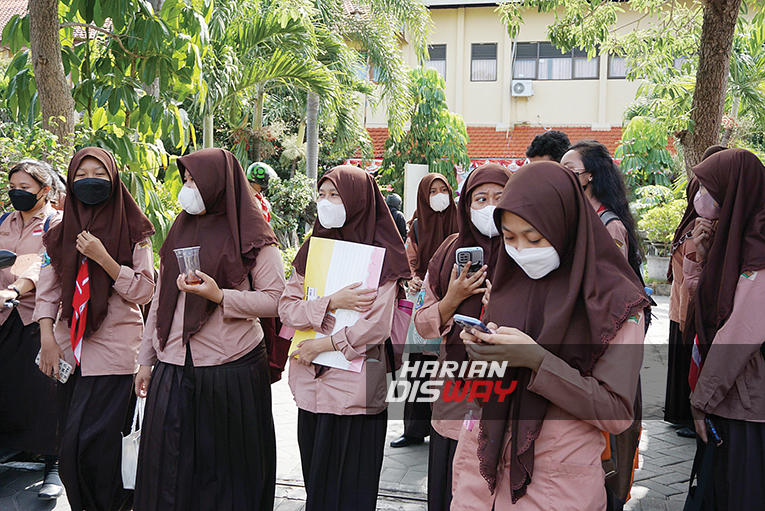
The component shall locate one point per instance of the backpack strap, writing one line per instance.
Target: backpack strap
(5, 215)
(416, 231)
(608, 216)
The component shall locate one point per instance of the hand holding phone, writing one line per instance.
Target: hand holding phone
(468, 323)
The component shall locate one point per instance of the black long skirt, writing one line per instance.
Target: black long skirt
(738, 471)
(29, 407)
(208, 441)
(100, 412)
(342, 458)
(677, 404)
(440, 458)
(417, 414)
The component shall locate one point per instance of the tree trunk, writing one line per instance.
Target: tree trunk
(56, 102)
(259, 120)
(312, 138)
(207, 135)
(715, 48)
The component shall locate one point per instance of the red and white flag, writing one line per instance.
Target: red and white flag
(80, 306)
(696, 363)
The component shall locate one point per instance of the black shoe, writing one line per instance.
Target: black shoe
(405, 441)
(52, 488)
(686, 432)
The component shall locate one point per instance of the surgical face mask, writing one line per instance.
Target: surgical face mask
(483, 219)
(92, 190)
(535, 262)
(331, 215)
(706, 206)
(439, 202)
(191, 200)
(22, 200)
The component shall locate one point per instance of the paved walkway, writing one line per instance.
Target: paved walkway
(660, 483)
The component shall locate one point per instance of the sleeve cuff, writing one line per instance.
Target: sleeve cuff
(318, 310)
(344, 347)
(703, 397)
(146, 359)
(45, 310)
(538, 380)
(124, 279)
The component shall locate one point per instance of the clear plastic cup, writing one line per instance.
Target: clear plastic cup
(188, 263)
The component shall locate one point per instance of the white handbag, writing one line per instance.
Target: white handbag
(130, 446)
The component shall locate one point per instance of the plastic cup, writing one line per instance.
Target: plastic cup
(188, 263)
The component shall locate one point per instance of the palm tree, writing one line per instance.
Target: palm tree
(254, 43)
(375, 27)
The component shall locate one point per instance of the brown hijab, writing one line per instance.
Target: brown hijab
(230, 234)
(368, 221)
(118, 222)
(432, 227)
(735, 178)
(685, 228)
(440, 269)
(574, 311)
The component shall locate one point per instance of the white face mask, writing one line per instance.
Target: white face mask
(535, 262)
(483, 219)
(439, 202)
(331, 215)
(191, 200)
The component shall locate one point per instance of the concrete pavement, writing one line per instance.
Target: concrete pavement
(660, 483)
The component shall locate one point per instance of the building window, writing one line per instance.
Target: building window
(543, 61)
(679, 61)
(437, 58)
(617, 67)
(483, 62)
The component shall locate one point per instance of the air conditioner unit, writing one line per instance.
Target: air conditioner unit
(522, 88)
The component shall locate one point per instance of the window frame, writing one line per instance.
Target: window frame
(626, 67)
(427, 62)
(495, 60)
(573, 57)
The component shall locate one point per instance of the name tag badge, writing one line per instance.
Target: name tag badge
(749, 275)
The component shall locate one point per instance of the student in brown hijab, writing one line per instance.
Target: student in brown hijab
(571, 330)
(728, 290)
(208, 439)
(447, 292)
(342, 415)
(434, 220)
(100, 270)
(677, 406)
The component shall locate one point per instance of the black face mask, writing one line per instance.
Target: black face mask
(92, 190)
(22, 200)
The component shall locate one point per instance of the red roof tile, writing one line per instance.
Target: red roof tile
(10, 7)
(487, 142)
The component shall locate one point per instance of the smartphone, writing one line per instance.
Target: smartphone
(64, 368)
(467, 323)
(472, 256)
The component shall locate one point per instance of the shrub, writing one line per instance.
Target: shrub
(660, 223)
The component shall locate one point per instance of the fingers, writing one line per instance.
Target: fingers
(467, 336)
(202, 275)
(453, 276)
(701, 429)
(493, 327)
(354, 285)
(478, 291)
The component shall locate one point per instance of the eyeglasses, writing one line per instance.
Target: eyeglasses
(581, 171)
